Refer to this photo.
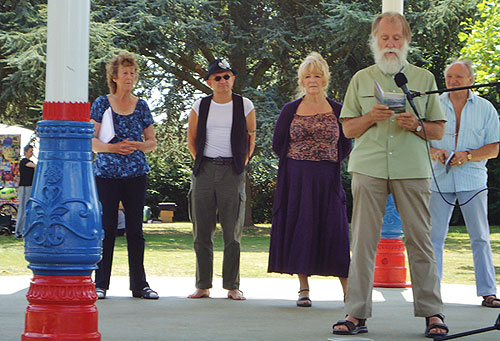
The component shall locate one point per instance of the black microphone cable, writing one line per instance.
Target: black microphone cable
(401, 82)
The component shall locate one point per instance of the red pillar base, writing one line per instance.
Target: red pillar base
(61, 308)
(390, 270)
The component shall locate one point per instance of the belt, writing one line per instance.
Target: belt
(219, 160)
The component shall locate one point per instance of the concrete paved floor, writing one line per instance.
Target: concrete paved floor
(268, 314)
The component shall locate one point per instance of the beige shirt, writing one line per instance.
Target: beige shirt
(385, 150)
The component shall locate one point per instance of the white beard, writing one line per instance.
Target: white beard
(389, 64)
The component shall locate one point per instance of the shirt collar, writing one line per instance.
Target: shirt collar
(471, 98)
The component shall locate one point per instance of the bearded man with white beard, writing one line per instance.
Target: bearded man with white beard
(390, 156)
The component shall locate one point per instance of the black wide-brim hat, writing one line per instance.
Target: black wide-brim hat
(218, 65)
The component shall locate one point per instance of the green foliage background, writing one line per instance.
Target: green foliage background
(264, 41)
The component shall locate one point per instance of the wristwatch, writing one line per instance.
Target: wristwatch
(419, 127)
(469, 155)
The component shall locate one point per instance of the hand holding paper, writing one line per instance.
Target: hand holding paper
(395, 101)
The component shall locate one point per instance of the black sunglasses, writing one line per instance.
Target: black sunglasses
(218, 78)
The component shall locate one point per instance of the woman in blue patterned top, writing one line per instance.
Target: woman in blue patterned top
(120, 169)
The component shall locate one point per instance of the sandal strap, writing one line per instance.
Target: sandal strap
(301, 290)
(148, 290)
(436, 325)
(440, 315)
(440, 325)
(350, 325)
(361, 322)
(490, 299)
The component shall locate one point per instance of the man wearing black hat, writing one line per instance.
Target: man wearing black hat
(221, 139)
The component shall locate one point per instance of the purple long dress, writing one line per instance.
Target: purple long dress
(310, 231)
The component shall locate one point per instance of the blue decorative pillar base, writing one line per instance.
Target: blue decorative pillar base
(63, 235)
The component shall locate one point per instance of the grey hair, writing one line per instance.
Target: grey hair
(465, 62)
(392, 17)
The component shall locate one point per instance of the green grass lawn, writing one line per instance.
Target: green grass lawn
(169, 252)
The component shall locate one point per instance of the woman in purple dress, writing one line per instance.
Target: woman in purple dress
(310, 231)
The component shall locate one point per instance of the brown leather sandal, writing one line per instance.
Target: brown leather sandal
(352, 329)
(488, 301)
(440, 325)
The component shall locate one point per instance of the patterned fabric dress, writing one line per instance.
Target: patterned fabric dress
(310, 232)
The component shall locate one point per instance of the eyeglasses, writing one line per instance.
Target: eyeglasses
(218, 78)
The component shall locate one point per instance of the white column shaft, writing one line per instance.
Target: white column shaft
(392, 6)
(67, 51)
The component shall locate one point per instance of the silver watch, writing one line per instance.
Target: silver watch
(419, 127)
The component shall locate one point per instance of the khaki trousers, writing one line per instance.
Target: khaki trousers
(411, 197)
(217, 191)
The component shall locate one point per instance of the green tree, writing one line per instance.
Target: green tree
(482, 42)
(22, 61)
(23, 41)
(264, 40)
(434, 26)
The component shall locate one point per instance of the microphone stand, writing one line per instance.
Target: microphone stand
(409, 97)
(471, 332)
(440, 91)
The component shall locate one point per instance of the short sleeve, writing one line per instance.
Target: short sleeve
(98, 108)
(147, 117)
(493, 125)
(247, 106)
(351, 107)
(196, 106)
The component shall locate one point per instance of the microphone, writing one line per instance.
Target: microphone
(402, 82)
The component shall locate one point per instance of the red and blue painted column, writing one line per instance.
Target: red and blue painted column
(63, 234)
(390, 268)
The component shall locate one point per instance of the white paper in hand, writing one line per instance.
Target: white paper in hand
(107, 130)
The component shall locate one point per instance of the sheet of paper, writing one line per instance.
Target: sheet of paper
(107, 130)
(394, 100)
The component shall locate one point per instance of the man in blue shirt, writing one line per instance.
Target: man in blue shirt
(471, 137)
